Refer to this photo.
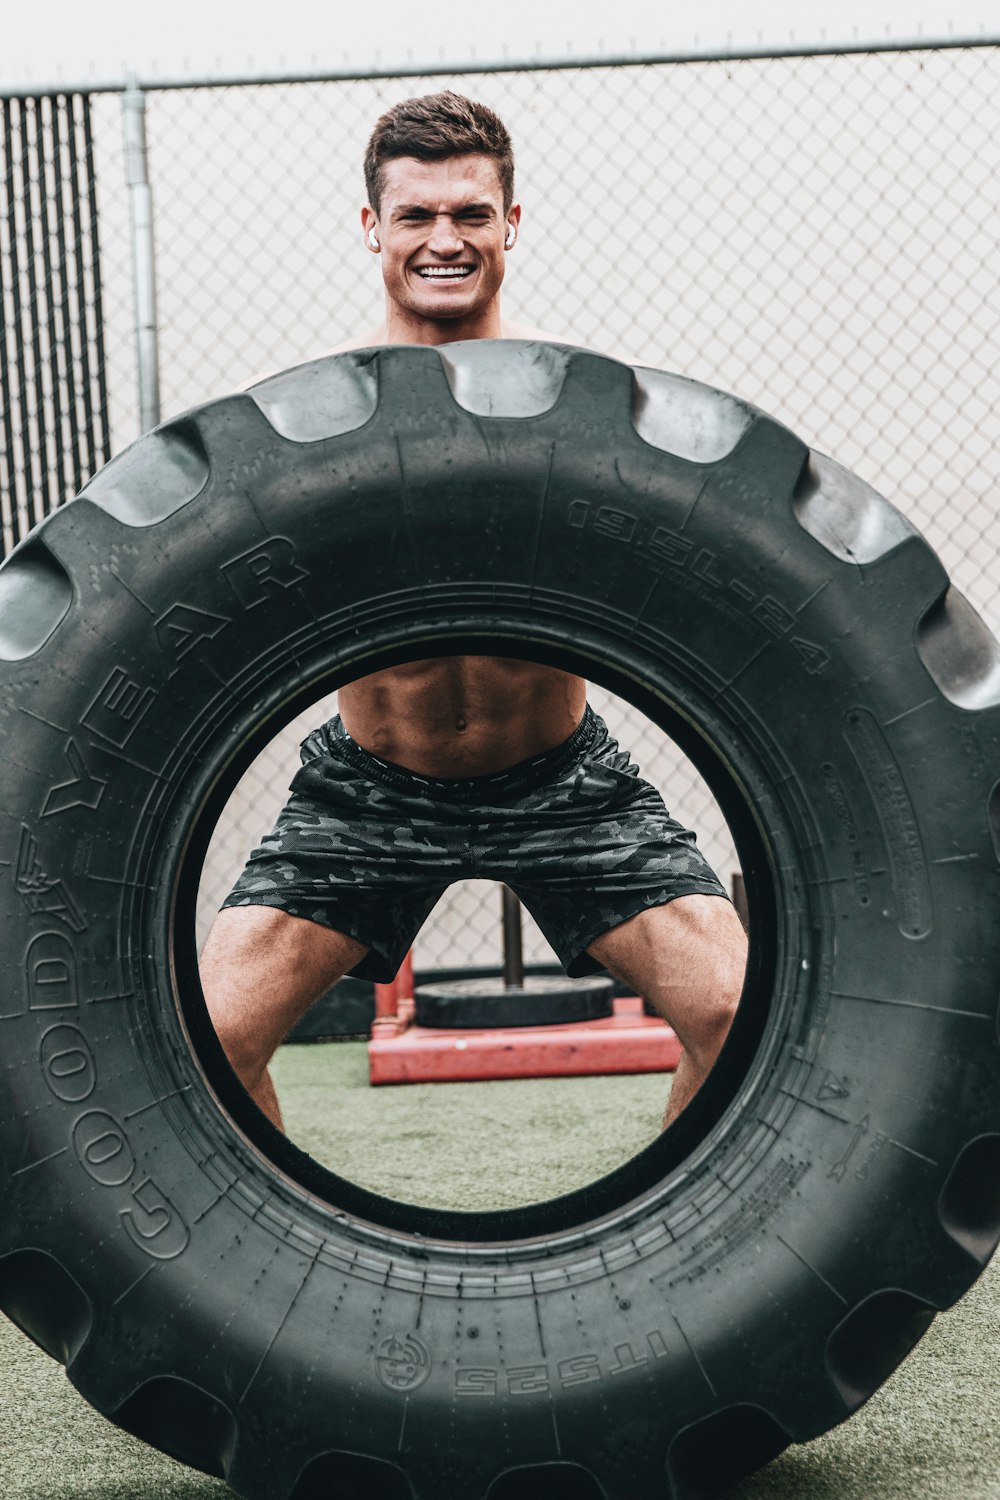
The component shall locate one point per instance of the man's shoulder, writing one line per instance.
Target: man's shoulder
(512, 330)
(509, 330)
(546, 336)
(363, 341)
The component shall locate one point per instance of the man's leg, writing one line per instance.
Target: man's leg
(261, 969)
(688, 960)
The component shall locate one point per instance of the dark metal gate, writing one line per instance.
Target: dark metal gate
(53, 395)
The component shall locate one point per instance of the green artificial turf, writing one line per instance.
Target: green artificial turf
(931, 1433)
(463, 1145)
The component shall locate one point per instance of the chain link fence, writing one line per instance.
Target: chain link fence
(53, 397)
(816, 234)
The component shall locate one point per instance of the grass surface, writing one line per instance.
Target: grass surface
(931, 1433)
(463, 1145)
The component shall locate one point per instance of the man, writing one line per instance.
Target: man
(453, 767)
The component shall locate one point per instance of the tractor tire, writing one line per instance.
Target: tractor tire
(750, 1278)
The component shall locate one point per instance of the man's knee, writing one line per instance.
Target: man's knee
(709, 1022)
(717, 968)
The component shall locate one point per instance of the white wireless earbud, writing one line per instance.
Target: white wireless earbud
(511, 237)
(373, 239)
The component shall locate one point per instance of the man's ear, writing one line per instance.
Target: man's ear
(369, 227)
(513, 217)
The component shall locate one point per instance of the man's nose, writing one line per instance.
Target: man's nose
(444, 238)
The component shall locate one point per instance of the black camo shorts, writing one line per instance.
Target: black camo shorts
(368, 847)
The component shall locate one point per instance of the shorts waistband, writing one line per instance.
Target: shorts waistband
(514, 780)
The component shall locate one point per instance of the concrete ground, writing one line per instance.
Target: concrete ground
(931, 1433)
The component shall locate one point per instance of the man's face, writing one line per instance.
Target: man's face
(441, 233)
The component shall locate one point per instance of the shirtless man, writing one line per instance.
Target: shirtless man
(381, 814)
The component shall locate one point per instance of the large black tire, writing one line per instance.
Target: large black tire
(757, 1272)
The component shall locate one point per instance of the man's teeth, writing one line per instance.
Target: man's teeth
(444, 273)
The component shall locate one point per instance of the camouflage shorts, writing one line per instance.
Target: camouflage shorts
(367, 847)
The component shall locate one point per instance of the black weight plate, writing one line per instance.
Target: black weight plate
(541, 1002)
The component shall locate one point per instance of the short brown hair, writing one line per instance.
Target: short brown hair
(435, 126)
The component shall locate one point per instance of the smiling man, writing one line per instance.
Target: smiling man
(380, 815)
(442, 230)
(442, 224)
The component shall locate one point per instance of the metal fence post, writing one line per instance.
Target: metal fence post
(143, 254)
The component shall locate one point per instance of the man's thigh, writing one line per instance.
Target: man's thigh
(352, 856)
(683, 954)
(586, 870)
(688, 960)
(262, 969)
